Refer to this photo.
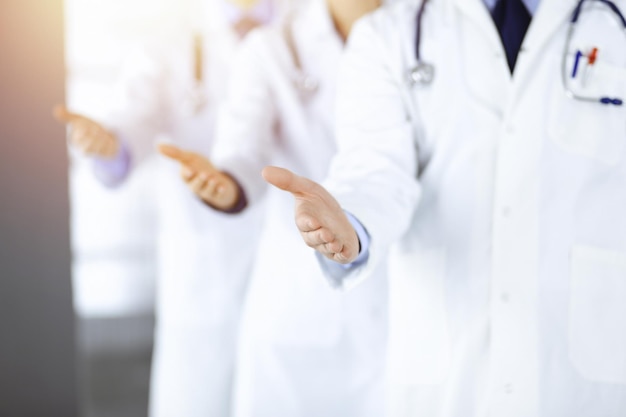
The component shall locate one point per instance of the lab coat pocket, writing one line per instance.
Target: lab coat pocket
(419, 347)
(591, 129)
(597, 327)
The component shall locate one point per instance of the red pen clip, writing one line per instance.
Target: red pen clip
(592, 57)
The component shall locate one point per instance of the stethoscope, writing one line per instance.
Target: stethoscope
(197, 96)
(565, 75)
(304, 83)
(423, 73)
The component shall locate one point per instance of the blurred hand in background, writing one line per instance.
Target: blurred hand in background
(88, 136)
(207, 182)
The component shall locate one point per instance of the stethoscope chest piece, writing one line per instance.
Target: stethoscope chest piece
(421, 74)
(306, 83)
(196, 100)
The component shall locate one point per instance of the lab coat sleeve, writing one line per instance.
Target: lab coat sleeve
(374, 173)
(111, 172)
(244, 138)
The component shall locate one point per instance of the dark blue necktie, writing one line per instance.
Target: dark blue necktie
(512, 20)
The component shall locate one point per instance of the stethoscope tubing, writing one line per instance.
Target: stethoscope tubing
(610, 4)
(414, 78)
(568, 40)
(422, 73)
(418, 30)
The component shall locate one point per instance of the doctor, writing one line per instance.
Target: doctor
(305, 351)
(496, 179)
(173, 92)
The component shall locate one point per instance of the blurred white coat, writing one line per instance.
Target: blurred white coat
(306, 349)
(204, 257)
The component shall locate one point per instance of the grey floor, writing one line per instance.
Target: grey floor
(114, 365)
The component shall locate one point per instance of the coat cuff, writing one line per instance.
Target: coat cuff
(111, 172)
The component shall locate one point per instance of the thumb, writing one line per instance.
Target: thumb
(63, 115)
(288, 181)
(175, 153)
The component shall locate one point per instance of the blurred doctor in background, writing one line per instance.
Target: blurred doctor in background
(172, 92)
(305, 350)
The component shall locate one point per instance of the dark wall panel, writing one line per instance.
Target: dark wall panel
(37, 345)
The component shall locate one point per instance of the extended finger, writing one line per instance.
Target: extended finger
(287, 180)
(78, 134)
(100, 145)
(318, 239)
(214, 185)
(345, 255)
(175, 153)
(63, 115)
(336, 246)
(111, 147)
(307, 222)
(82, 132)
(339, 257)
(197, 184)
(187, 173)
(88, 144)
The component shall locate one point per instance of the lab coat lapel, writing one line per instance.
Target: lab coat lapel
(476, 11)
(550, 15)
(482, 55)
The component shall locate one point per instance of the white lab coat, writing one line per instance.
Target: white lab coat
(204, 257)
(502, 202)
(305, 350)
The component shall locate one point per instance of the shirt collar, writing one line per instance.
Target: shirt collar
(531, 5)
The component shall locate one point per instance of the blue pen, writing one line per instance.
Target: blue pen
(579, 55)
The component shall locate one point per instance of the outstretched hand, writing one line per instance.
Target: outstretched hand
(206, 181)
(89, 136)
(322, 223)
